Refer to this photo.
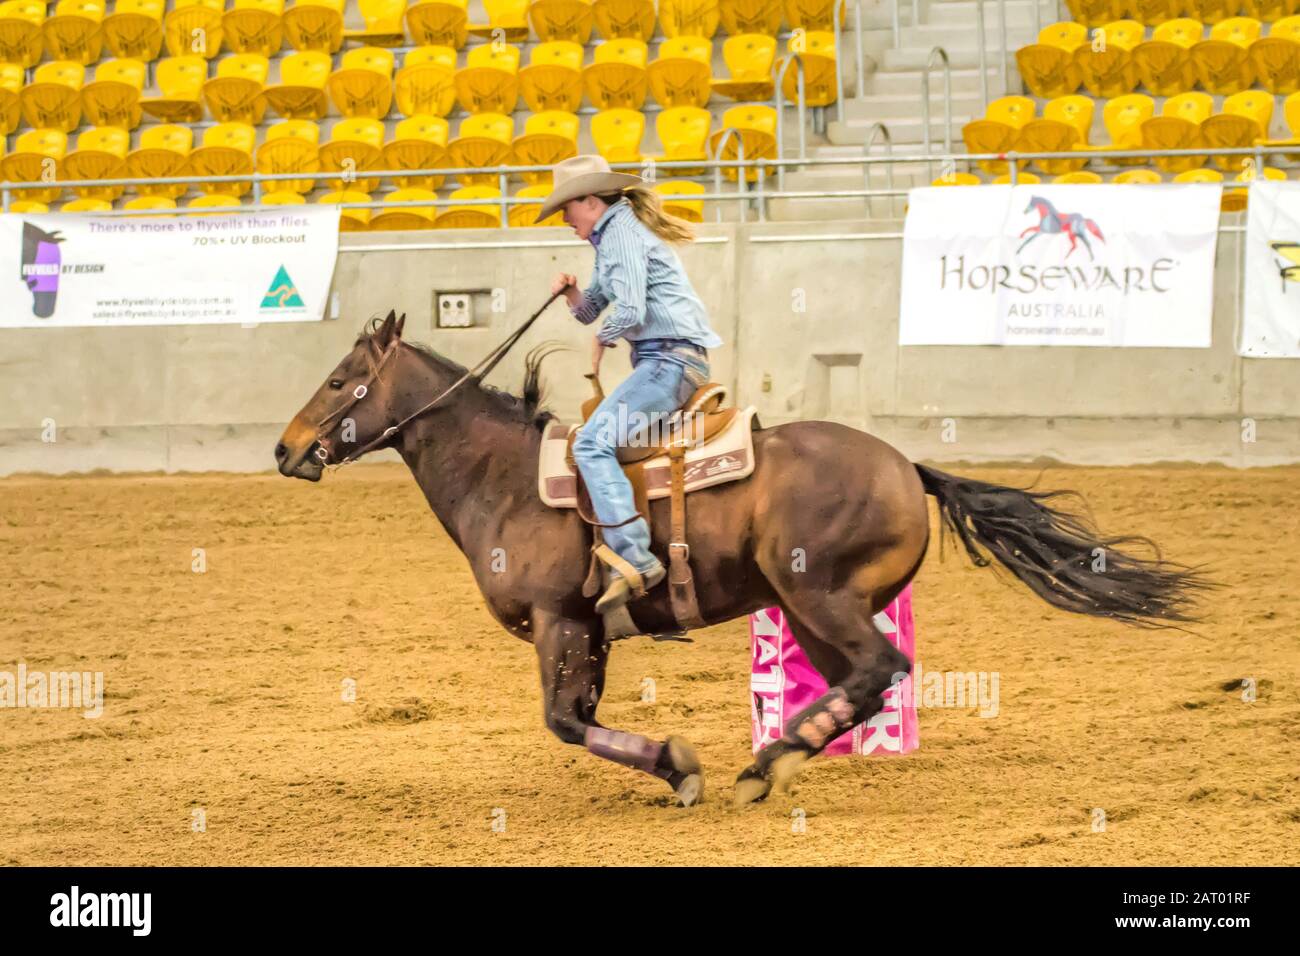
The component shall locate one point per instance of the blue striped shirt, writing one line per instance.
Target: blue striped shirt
(641, 275)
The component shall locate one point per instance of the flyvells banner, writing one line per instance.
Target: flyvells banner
(69, 270)
(1270, 322)
(1059, 265)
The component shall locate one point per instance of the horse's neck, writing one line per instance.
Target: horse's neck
(468, 457)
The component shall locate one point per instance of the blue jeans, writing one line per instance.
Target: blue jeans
(665, 374)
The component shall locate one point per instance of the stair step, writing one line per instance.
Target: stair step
(900, 131)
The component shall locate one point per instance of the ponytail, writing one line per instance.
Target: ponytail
(648, 206)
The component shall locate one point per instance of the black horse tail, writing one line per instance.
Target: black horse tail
(1061, 557)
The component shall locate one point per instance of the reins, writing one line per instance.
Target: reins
(480, 370)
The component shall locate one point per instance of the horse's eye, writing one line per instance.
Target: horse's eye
(336, 384)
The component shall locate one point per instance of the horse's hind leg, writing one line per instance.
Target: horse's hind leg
(573, 655)
(858, 663)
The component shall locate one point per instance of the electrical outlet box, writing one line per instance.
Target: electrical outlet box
(455, 310)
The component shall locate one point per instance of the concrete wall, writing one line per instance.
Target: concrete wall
(811, 330)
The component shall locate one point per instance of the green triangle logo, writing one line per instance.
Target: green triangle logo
(282, 294)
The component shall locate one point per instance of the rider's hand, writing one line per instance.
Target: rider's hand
(562, 281)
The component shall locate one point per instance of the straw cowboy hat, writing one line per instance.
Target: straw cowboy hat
(584, 176)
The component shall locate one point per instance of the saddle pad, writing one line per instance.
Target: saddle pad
(728, 457)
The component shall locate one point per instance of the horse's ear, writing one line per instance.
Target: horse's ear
(384, 334)
(401, 324)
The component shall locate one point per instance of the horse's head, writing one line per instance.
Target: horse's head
(351, 409)
(1035, 202)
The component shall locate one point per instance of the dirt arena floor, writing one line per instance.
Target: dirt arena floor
(224, 693)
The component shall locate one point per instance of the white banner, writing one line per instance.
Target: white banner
(68, 270)
(1059, 265)
(1270, 321)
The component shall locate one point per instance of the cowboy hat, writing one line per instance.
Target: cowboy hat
(583, 176)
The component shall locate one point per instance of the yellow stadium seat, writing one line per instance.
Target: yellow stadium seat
(113, 98)
(1123, 117)
(1199, 176)
(100, 154)
(1178, 127)
(1275, 59)
(193, 28)
(11, 82)
(525, 216)
(617, 134)
(569, 20)
(1094, 13)
(817, 50)
(813, 14)
(676, 195)
(1154, 12)
(998, 131)
(553, 78)
(1048, 66)
(234, 95)
(485, 140)
(688, 18)
(426, 82)
(1245, 118)
(134, 29)
(1213, 11)
(53, 99)
(383, 23)
(35, 158)
(73, 32)
(405, 217)
(314, 25)
(163, 152)
(1138, 177)
(355, 146)
(617, 78)
(350, 220)
(363, 85)
(180, 83)
(681, 74)
(1222, 62)
(1080, 177)
(419, 142)
(624, 19)
(684, 133)
(1291, 113)
(87, 205)
(1063, 127)
(290, 147)
(20, 32)
(227, 150)
(1022, 179)
(1234, 199)
(549, 137)
(1267, 10)
(28, 207)
(751, 16)
(957, 179)
(471, 217)
(300, 94)
(1107, 68)
(253, 26)
(214, 201)
(489, 81)
(282, 197)
(142, 203)
(755, 127)
(508, 15)
(749, 58)
(1164, 63)
(438, 23)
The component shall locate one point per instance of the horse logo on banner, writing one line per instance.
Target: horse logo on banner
(1073, 225)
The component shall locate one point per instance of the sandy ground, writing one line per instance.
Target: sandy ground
(224, 693)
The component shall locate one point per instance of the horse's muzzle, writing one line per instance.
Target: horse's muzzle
(306, 465)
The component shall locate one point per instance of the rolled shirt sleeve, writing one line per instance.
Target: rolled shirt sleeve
(626, 275)
(593, 303)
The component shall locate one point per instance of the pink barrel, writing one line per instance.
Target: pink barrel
(783, 682)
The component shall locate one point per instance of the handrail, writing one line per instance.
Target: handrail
(947, 103)
(836, 15)
(797, 59)
(1002, 34)
(982, 42)
(879, 129)
(898, 30)
(740, 174)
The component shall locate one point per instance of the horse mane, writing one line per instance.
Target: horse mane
(526, 409)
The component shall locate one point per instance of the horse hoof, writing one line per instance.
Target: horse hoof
(690, 789)
(751, 787)
(687, 778)
(785, 768)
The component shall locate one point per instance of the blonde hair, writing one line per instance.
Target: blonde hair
(648, 206)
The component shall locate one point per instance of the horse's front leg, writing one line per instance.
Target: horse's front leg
(572, 655)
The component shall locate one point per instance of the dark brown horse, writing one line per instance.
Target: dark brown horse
(831, 526)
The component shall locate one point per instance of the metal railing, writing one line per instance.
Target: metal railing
(947, 102)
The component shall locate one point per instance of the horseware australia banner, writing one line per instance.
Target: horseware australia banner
(1270, 322)
(1059, 265)
(67, 270)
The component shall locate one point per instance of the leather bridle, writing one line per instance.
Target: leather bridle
(361, 391)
